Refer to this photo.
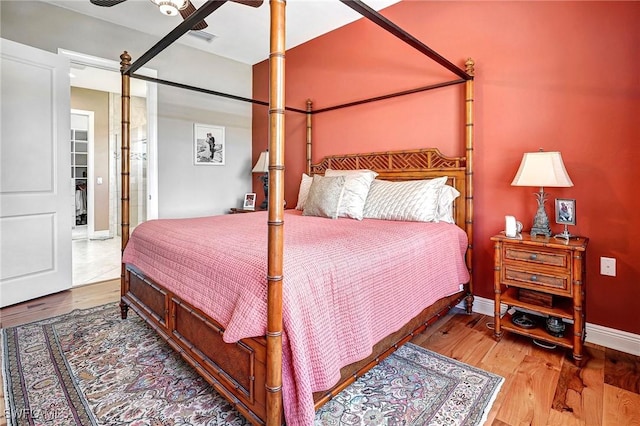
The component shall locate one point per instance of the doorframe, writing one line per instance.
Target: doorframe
(152, 120)
(90, 171)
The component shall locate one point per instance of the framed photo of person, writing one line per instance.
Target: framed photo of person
(249, 201)
(208, 145)
(565, 211)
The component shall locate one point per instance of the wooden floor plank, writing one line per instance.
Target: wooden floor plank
(505, 357)
(576, 394)
(557, 418)
(60, 303)
(620, 407)
(530, 394)
(460, 340)
(622, 371)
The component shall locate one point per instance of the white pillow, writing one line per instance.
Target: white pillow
(356, 189)
(414, 200)
(324, 197)
(445, 204)
(303, 192)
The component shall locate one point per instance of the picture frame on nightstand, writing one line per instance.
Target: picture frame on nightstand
(249, 201)
(565, 215)
(565, 211)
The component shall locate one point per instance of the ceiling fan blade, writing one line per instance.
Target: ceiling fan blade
(252, 3)
(106, 3)
(186, 12)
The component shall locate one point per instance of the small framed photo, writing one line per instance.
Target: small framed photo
(565, 211)
(249, 201)
(208, 145)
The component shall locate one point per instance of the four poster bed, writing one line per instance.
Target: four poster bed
(280, 322)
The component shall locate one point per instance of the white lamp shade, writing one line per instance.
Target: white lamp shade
(262, 165)
(542, 169)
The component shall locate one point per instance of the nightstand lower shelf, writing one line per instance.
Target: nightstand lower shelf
(563, 307)
(539, 333)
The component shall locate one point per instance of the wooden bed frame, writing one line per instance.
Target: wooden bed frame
(249, 373)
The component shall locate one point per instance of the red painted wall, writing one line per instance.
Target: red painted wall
(554, 75)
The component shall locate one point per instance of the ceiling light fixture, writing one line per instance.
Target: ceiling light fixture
(170, 7)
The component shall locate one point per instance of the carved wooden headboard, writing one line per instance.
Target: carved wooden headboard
(425, 163)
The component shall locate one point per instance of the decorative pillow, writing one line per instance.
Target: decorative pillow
(324, 197)
(356, 189)
(415, 200)
(303, 192)
(445, 204)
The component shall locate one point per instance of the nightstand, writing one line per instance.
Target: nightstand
(236, 210)
(541, 277)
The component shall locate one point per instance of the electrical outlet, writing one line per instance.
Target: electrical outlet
(608, 266)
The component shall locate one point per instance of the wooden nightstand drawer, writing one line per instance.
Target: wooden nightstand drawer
(537, 256)
(536, 280)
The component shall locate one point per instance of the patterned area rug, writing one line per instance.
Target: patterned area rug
(90, 367)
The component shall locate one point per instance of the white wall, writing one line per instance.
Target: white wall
(184, 190)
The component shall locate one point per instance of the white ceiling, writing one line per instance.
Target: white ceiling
(242, 32)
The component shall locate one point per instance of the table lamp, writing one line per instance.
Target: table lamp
(262, 166)
(542, 169)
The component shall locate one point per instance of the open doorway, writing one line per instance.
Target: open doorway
(95, 88)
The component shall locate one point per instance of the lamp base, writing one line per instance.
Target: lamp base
(540, 231)
(541, 220)
(265, 186)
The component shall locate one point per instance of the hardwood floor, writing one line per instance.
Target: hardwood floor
(542, 387)
(80, 297)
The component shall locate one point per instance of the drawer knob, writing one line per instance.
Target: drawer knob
(534, 278)
(533, 256)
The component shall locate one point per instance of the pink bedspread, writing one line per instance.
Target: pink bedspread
(347, 283)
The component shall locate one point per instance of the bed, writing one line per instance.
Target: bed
(188, 288)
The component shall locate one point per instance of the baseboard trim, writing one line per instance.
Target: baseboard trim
(100, 235)
(597, 334)
(614, 339)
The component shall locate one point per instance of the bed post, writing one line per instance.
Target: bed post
(273, 382)
(125, 61)
(309, 107)
(469, 65)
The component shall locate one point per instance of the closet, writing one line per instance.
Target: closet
(79, 165)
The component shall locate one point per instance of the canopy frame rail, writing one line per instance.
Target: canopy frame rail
(392, 28)
(210, 92)
(390, 95)
(293, 109)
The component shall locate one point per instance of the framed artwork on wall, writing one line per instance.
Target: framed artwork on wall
(208, 145)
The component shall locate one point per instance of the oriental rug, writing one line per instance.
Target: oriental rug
(89, 367)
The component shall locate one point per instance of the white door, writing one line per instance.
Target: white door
(35, 214)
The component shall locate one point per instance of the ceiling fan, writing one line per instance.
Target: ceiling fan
(172, 7)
